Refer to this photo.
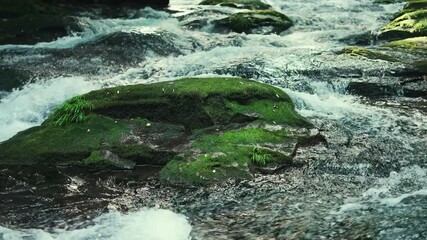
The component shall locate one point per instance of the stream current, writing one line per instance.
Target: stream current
(368, 182)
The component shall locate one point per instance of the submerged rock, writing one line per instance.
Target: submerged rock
(202, 130)
(245, 4)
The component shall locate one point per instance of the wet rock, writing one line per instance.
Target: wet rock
(259, 21)
(373, 90)
(412, 45)
(29, 22)
(128, 46)
(362, 39)
(202, 130)
(245, 4)
(11, 78)
(415, 88)
(19, 8)
(415, 4)
(367, 53)
(33, 28)
(249, 22)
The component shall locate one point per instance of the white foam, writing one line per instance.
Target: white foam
(147, 224)
(31, 105)
(391, 191)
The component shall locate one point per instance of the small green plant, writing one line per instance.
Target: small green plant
(258, 158)
(72, 111)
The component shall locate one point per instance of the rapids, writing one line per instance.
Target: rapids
(368, 182)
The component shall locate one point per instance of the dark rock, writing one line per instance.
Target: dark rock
(249, 22)
(415, 88)
(11, 78)
(373, 90)
(33, 28)
(362, 39)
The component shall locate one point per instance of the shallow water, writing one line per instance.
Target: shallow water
(367, 182)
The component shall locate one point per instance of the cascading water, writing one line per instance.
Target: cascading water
(369, 181)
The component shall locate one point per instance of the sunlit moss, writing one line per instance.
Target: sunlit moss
(410, 24)
(226, 155)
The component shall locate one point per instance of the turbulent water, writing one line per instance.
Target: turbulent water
(368, 182)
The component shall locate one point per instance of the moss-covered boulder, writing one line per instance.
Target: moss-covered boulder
(202, 130)
(410, 44)
(411, 22)
(259, 21)
(367, 53)
(244, 4)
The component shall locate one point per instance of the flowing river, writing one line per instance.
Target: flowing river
(369, 181)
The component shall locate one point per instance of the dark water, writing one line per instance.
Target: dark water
(368, 182)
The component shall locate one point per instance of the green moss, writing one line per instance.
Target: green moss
(100, 158)
(410, 24)
(246, 4)
(193, 103)
(227, 155)
(49, 144)
(418, 43)
(370, 54)
(252, 20)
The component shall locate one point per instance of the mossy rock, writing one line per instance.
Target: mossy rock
(367, 53)
(418, 44)
(203, 130)
(244, 4)
(409, 24)
(234, 154)
(259, 21)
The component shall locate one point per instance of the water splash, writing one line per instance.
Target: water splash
(30, 106)
(147, 224)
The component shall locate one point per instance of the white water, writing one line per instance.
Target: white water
(147, 224)
(30, 106)
(391, 191)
